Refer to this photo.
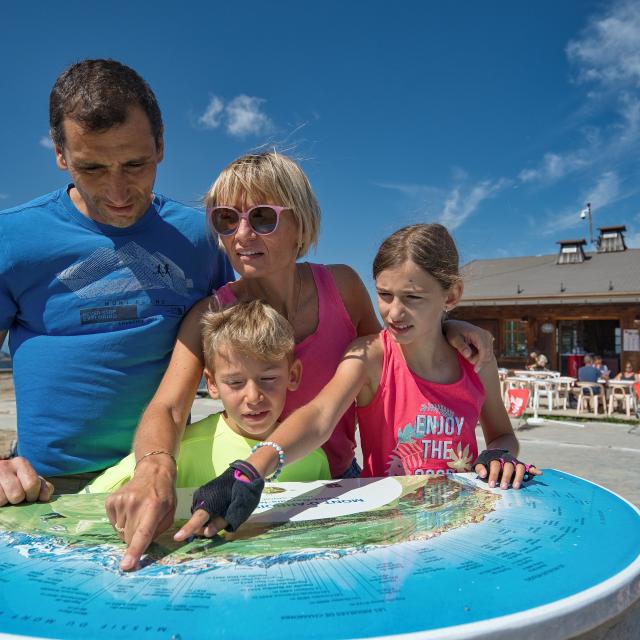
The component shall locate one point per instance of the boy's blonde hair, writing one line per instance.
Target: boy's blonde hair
(253, 328)
(270, 178)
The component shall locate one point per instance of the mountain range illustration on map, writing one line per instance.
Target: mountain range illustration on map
(425, 507)
(127, 269)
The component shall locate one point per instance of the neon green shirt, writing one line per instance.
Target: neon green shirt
(208, 447)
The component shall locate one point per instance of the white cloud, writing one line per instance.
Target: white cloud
(608, 51)
(605, 192)
(244, 116)
(461, 203)
(606, 55)
(241, 116)
(555, 166)
(46, 142)
(451, 207)
(211, 118)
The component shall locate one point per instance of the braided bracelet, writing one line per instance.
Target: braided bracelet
(280, 452)
(155, 453)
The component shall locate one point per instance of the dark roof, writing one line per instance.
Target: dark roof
(602, 277)
(581, 241)
(618, 228)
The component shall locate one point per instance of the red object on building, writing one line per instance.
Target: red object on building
(573, 364)
(518, 401)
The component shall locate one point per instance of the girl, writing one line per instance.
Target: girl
(418, 401)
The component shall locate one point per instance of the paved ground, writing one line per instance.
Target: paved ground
(605, 453)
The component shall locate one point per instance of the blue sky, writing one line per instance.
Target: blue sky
(500, 119)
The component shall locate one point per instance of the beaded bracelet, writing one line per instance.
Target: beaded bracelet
(280, 452)
(155, 453)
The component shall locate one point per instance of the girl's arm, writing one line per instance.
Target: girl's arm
(310, 426)
(498, 432)
(303, 431)
(145, 506)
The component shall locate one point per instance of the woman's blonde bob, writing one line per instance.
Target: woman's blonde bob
(269, 178)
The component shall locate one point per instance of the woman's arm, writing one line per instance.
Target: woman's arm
(473, 343)
(145, 506)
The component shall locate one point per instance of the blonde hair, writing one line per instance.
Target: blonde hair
(266, 176)
(253, 328)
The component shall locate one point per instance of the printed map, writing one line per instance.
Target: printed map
(345, 559)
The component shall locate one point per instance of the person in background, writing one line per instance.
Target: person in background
(601, 367)
(588, 373)
(533, 358)
(95, 278)
(628, 373)
(249, 366)
(541, 363)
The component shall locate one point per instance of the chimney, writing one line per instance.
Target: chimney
(611, 239)
(571, 251)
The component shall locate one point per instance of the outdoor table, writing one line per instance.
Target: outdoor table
(337, 559)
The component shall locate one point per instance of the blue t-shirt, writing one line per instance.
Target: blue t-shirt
(92, 312)
(588, 373)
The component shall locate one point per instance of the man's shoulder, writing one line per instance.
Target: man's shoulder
(35, 205)
(166, 206)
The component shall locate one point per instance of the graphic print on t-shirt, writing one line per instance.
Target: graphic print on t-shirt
(433, 443)
(115, 273)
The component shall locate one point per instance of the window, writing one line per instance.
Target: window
(515, 339)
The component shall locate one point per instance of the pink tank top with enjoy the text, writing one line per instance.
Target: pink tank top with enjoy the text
(413, 426)
(320, 354)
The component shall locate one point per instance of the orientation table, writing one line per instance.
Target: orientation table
(416, 557)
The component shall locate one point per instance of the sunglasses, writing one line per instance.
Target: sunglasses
(263, 219)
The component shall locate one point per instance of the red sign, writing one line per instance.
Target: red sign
(518, 400)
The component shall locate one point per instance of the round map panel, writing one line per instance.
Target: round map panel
(434, 557)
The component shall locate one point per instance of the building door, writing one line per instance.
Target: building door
(579, 337)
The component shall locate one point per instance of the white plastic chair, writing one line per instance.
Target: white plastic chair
(588, 397)
(622, 395)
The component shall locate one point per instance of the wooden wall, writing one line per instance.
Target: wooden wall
(490, 317)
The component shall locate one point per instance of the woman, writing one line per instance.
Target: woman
(627, 374)
(266, 216)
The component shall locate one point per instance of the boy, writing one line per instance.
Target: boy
(249, 366)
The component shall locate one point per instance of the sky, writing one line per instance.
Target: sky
(499, 119)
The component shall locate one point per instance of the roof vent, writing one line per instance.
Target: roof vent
(611, 239)
(571, 251)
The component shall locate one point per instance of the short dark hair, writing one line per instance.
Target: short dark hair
(97, 94)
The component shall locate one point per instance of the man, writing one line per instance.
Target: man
(589, 373)
(94, 280)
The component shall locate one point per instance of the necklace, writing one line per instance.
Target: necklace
(291, 317)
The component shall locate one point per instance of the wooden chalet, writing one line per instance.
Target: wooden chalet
(563, 305)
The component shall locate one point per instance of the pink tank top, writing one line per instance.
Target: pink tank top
(320, 354)
(413, 426)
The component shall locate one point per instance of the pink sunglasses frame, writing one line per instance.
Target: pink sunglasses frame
(245, 215)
